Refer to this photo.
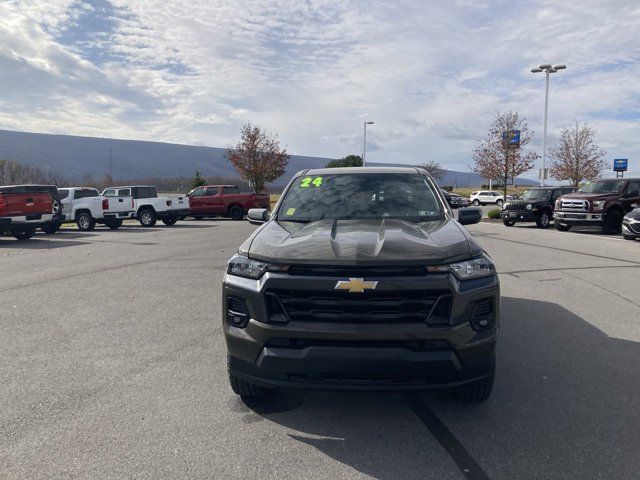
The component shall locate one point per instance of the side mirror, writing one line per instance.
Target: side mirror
(635, 205)
(469, 216)
(258, 215)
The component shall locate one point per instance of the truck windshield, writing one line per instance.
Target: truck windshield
(361, 196)
(603, 186)
(535, 195)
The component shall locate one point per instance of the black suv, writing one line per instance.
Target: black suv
(534, 205)
(361, 278)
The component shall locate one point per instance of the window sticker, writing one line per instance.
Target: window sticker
(308, 181)
(290, 211)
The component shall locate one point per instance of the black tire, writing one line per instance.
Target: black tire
(51, 227)
(236, 213)
(508, 223)
(543, 220)
(476, 202)
(628, 237)
(85, 222)
(147, 218)
(198, 217)
(242, 387)
(170, 221)
(480, 390)
(499, 203)
(561, 227)
(613, 223)
(114, 224)
(26, 234)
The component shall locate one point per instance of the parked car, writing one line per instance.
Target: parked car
(485, 197)
(361, 278)
(86, 207)
(224, 200)
(600, 203)
(534, 205)
(631, 223)
(148, 207)
(454, 200)
(24, 208)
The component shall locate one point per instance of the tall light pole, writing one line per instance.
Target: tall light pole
(547, 68)
(364, 143)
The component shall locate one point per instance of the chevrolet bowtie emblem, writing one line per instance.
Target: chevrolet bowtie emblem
(356, 285)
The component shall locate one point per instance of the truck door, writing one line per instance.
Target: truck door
(631, 195)
(215, 202)
(196, 201)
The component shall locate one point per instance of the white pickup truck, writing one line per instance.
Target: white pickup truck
(86, 207)
(148, 207)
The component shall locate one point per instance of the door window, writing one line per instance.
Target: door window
(211, 191)
(198, 192)
(124, 192)
(633, 190)
(230, 190)
(110, 192)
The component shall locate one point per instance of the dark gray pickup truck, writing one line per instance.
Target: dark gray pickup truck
(362, 278)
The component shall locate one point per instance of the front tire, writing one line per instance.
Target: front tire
(236, 213)
(499, 203)
(480, 390)
(543, 220)
(26, 234)
(561, 227)
(51, 227)
(628, 237)
(613, 223)
(242, 387)
(476, 203)
(508, 223)
(148, 218)
(85, 222)
(114, 225)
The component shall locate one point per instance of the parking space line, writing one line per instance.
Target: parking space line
(462, 458)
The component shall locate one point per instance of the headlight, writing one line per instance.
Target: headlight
(245, 267)
(529, 206)
(504, 205)
(558, 204)
(599, 204)
(475, 268)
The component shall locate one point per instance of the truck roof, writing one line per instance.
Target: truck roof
(132, 186)
(352, 170)
(215, 186)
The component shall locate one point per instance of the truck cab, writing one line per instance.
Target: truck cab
(148, 207)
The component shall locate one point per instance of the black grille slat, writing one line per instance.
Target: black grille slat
(351, 271)
(515, 207)
(367, 307)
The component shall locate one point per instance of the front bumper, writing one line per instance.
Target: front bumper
(383, 356)
(580, 219)
(178, 212)
(631, 228)
(519, 216)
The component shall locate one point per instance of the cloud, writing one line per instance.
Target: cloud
(430, 74)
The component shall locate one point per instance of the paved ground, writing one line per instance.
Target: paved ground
(112, 365)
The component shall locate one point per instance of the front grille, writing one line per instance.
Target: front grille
(356, 272)
(515, 207)
(634, 226)
(575, 205)
(338, 306)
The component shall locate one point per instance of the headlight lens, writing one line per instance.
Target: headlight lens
(529, 206)
(475, 268)
(245, 267)
(599, 204)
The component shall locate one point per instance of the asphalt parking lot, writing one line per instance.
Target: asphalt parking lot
(112, 365)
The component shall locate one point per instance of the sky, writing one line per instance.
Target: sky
(430, 74)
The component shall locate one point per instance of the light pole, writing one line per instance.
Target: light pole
(364, 144)
(547, 68)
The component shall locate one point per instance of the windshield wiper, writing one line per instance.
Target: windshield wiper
(295, 220)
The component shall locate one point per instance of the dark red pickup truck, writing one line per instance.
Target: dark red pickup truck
(224, 201)
(23, 209)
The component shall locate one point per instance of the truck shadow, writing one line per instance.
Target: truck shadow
(38, 243)
(566, 405)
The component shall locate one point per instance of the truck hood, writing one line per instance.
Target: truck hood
(590, 196)
(362, 242)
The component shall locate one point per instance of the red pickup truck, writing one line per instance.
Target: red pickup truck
(24, 208)
(224, 201)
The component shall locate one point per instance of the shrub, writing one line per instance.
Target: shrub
(494, 214)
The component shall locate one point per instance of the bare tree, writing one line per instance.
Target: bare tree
(576, 157)
(496, 157)
(258, 157)
(434, 169)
